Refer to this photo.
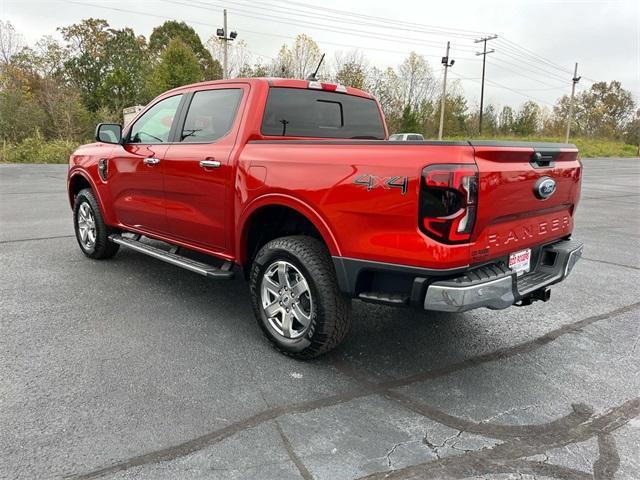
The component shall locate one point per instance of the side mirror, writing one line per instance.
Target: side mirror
(109, 133)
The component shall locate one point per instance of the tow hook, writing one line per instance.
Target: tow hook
(542, 294)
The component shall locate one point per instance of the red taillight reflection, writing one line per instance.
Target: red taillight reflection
(448, 202)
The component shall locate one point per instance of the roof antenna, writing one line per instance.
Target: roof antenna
(312, 76)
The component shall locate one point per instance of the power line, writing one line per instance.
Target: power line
(444, 30)
(519, 73)
(545, 60)
(340, 44)
(289, 37)
(523, 67)
(515, 50)
(543, 70)
(500, 85)
(288, 10)
(534, 54)
(317, 25)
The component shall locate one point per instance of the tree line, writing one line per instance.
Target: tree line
(58, 89)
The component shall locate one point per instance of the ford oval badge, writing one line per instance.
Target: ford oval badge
(544, 188)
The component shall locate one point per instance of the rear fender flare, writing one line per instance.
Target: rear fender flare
(277, 199)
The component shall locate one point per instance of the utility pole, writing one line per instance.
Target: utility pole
(574, 82)
(447, 64)
(222, 35)
(484, 54)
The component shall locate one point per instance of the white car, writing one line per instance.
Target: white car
(403, 137)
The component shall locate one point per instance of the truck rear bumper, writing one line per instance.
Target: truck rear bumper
(457, 290)
(496, 287)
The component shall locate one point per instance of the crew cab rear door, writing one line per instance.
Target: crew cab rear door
(528, 193)
(198, 175)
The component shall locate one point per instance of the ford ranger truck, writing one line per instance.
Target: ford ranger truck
(293, 185)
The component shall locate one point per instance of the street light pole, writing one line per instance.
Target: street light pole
(226, 38)
(447, 64)
(225, 63)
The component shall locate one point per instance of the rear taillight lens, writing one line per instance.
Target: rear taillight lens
(448, 202)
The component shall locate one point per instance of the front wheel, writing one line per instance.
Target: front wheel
(91, 231)
(296, 298)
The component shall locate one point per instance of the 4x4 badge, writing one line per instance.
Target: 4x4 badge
(371, 182)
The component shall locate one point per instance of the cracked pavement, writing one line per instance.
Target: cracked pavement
(132, 368)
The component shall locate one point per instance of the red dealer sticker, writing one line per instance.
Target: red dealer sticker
(520, 262)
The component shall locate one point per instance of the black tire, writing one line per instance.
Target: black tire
(102, 247)
(330, 317)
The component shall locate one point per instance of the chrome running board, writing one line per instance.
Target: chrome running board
(223, 272)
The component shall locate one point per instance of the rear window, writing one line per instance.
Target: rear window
(295, 112)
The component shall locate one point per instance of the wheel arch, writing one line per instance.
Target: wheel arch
(79, 180)
(292, 208)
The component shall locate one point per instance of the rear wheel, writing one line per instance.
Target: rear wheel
(296, 299)
(91, 231)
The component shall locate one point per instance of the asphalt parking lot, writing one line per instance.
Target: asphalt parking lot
(132, 368)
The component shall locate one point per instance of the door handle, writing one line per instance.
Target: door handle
(209, 163)
(151, 161)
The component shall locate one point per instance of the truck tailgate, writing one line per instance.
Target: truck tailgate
(527, 195)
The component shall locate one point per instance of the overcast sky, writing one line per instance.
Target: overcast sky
(603, 36)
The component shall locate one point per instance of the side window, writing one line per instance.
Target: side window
(211, 115)
(155, 124)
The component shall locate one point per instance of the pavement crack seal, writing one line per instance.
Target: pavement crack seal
(302, 469)
(606, 262)
(510, 456)
(368, 388)
(37, 239)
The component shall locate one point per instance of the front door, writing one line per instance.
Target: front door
(197, 170)
(135, 178)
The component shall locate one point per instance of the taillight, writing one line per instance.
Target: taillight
(448, 202)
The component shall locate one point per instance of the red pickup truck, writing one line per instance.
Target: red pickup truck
(293, 183)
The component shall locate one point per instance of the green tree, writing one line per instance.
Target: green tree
(409, 122)
(506, 120)
(455, 115)
(490, 120)
(21, 115)
(123, 81)
(429, 115)
(170, 30)
(602, 111)
(87, 61)
(34, 99)
(178, 66)
(632, 131)
(527, 121)
(385, 86)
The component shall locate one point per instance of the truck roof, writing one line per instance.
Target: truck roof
(282, 82)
